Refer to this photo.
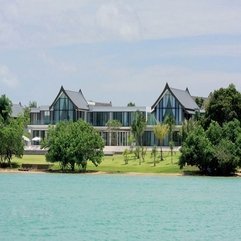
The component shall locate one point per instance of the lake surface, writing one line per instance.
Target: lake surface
(117, 207)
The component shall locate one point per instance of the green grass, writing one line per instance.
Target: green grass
(116, 164)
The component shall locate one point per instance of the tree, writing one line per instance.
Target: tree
(169, 120)
(225, 157)
(199, 101)
(214, 133)
(154, 154)
(11, 143)
(197, 151)
(5, 108)
(160, 132)
(130, 104)
(138, 127)
(74, 143)
(216, 151)
(32, 104)
(224, 105)
(187, 126)
(112, 127)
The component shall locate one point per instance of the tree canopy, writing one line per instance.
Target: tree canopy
(5, 108)
(11, 143)
(216, 151)
(74, 143)
(224, 105)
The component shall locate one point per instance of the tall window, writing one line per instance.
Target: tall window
(169, 106)
(63, 109)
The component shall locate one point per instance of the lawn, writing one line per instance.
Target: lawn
(116, 164)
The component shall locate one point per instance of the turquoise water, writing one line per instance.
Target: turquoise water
(115, 207)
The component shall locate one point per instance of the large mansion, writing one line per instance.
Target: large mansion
(72, 106)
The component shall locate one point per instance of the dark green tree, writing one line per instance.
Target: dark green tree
(224, 105)
(222, 144)
(32, 104)
(74, 143)
(11, 143)
(214, 133)
(225, 158)
(197, 151)
(130, 104)
(200, 102)
(5, 108)
(187, 126)
(138, 127)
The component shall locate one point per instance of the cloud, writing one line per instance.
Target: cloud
(44, 23)
(58, 64)
(7, 77)
(144, 85)
(119, 21)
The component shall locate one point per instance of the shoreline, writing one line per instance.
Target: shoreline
(7, 170)
(14, 171)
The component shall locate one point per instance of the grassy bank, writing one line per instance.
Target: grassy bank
(116, 164)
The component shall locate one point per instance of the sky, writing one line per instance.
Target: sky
(118, 50)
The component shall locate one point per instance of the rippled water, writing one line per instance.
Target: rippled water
(115, 207)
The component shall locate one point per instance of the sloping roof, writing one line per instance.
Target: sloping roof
(183, 96)
(77, 98)
(17, 110)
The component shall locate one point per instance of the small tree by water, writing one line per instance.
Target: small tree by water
(74, 143)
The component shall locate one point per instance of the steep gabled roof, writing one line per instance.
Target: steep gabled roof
(183, 96)
(77, 98)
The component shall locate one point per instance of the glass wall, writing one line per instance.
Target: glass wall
(115, 138)
(169, 106)
(98, 118)
(63, 109)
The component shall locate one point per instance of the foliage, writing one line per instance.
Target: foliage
(197, 150)
(171, 124)
(73, 143)
(160, 132)
(143, 153)
(32, 104)
(112, 126)
(187, 126)
(11, 143)
(5, 108)
(171, 145)
(224, 105)
(225, 157)
(131, 104)
(200, 102)
(214, 132)
(138, 127)
(216, 151)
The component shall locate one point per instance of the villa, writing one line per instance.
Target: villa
(72, 106)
